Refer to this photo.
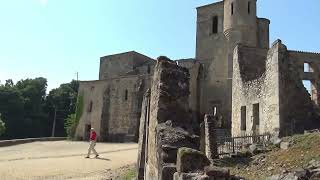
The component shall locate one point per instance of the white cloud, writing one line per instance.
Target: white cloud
(44, 2)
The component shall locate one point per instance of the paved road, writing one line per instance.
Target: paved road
(63, 160)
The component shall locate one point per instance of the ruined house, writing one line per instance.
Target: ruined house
(254, 88)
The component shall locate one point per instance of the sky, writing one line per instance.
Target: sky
(57, 38)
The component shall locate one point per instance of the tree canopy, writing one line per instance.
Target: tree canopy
(27, 111)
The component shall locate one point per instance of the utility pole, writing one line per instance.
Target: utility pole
(54, 122)
(77, 73)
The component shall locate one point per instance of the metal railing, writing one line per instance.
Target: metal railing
(231, 145)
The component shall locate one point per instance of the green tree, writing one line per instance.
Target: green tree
(62, 99)
(33, 92)
(12, 112)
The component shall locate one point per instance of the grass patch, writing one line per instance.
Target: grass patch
(304, 149)
(129, 175)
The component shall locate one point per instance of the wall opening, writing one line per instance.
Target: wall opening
(215, 25)
(126, 95)
(249, 7)
(231, 8)
(307, 84)
(256, 118)
(307, 67)
(90, 106)
(148, 69)
(214, 110)
(243, 124)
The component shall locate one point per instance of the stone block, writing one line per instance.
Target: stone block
(284, 145)
(190, 176)
(216, 172)
(168, 172)
(191, 161)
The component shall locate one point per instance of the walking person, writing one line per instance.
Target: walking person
(93, 140)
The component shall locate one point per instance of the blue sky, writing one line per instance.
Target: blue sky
(56, 38)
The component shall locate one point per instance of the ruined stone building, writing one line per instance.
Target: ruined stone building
(254, 88)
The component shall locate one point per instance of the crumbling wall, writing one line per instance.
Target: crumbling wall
(255, 81)
(144, 121)
(285, 107)
(170, 125)
(298, 111)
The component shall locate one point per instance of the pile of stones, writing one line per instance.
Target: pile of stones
(311, 172)
(194, 165)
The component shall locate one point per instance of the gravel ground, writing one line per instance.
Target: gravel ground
(64, 160)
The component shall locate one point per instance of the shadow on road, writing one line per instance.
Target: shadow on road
(105, 159)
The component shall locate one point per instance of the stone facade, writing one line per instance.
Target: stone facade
(268, 93)
(112, 105)
(234, 74)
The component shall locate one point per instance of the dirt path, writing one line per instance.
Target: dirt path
(63, 160)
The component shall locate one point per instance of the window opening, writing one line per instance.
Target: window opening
(307, 67)
(215, 24)
(126, 95)
(243, 123)
(256, 117)
(148, 69)
(231, 8)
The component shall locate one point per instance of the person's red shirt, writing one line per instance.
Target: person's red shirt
(93, 136)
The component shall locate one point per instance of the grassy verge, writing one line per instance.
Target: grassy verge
(304, 149)
(130, 174)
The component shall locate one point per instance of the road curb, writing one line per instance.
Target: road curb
(12, 142)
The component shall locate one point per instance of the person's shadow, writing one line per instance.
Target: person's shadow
(104, 159)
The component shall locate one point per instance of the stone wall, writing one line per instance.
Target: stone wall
(263, 33)
(117, 65)
(91, 91)
(112, 105)
(170, 126)
(255, 82)
(298, 111)
(268, 93)
(144, 121)
(312, 74)
(116, 107)
(211, 52)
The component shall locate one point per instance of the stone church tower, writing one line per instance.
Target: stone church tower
(220, 27)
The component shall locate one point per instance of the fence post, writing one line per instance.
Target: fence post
(233, 150)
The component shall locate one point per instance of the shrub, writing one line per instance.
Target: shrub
(70, 125)
(71, 122)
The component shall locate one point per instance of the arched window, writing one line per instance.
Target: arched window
(249, 7)
(126, 95)
(231, 8)
(215, 25)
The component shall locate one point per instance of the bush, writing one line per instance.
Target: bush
(2, 127)
(71, 123)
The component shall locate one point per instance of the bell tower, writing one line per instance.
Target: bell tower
(240, 22)
(240, 26)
